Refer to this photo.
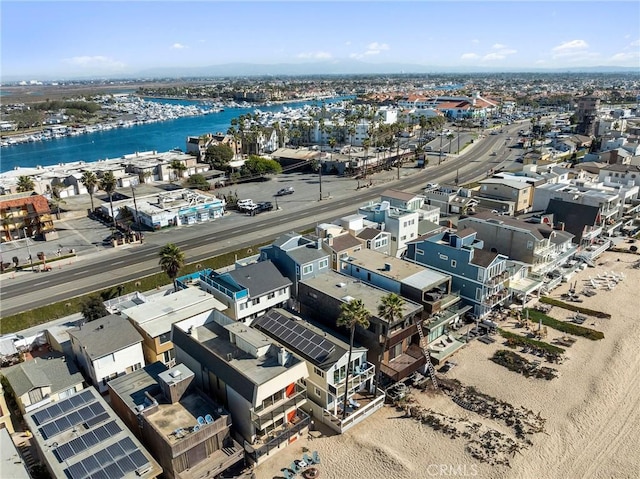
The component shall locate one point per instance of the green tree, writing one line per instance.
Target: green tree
(450, 137)
(56, 200)
(178, 168)
(352, 314)
(108, 184)
(199, 181)
(258, 166)
(219, 156)
(93, 308)
(25, 183)
(171, 261)
(389, 309)
(90, 181)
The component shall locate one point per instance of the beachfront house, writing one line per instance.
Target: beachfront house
(505, 195)
(81, 437)
(259, 382)
(533, 242)
(400, 222)
(107, 348)
(326, 357)
(479, 275)
(321, 299)
(188, 433)
(43, 380)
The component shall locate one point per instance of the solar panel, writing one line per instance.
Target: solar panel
(128, 445)
(113, 470)
(139, 459)
(126, 465)
(76, 471)
(57, 409)
(88, 440)
(87, 413)
(103, 457)
(296, 335)
(97, 419)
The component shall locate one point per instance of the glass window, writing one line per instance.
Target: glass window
(307, 269)
(323, 263)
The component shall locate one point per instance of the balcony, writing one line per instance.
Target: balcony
(357, 377)
(366, 403)
(269, 412)
(403, 365)
(216, 463)
(277, 437)
(497, 279)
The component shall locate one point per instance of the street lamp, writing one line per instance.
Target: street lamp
(135, 206)
(26, 239)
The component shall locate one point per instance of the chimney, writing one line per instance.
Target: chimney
(319, 243)
(387, 266)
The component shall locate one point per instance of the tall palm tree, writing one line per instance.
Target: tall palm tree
(171, 261)
(389, 309)
(450, 137)
(108, 184)
(90, 181)
(352, 314)
(25, 183)
(178, 168)
(56, 199)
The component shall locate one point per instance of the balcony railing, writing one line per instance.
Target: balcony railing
(367, 403)
(356, 379)
(278, 436)
(265, 413)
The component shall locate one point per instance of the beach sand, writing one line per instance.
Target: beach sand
(592, 409)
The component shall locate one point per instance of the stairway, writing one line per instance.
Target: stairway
(425, 351)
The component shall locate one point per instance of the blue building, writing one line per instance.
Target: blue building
(296, 257)
(480, 276)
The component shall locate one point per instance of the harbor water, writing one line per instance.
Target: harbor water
(159, 136)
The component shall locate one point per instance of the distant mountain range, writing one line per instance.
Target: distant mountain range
(333, 67)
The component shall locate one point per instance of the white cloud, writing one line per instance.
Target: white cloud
(501, 52)
(347, 43)
(375, 48)
(469, 56)
(498, 46)
(314, 55)
(178, 46)
(570, 48)
(635, 43)
(493, 57)
(96, 62)
(624, 57)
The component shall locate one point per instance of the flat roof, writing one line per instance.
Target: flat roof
(12, 464)
(345, 288)
(156, 316)
(81, 437)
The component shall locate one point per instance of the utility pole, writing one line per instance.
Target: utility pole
(320, 172)
(458, 138)
(26, 239)
(135, 206)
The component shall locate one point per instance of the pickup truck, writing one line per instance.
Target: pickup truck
(285, 191)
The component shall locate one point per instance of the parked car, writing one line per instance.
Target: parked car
(264, 206)
(244, 203)
(432, 186)
(285, 191)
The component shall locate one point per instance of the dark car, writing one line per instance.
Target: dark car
(264, 206)
(285, 191)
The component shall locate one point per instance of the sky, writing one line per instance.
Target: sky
(94, 38)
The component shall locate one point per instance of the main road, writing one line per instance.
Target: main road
(117, 266)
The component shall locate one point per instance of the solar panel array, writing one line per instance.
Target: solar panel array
(72, 419)
(60, 408)
(87, 440)
(116, 460)
(290, 332)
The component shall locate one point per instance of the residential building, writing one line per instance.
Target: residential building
(504, 195)
(326, 357)
(43, 380)
(535, 243)
(450, 199)
(412, 202)
(296, 257)
(339, 246)
(5, 414)
(13, 465)
(81, 437)
(25, 215)
(479, 275)
(153, 320)
(620, 174)
(587, 114)
(400, 222)
(107, 348)
(375, 240)
(392, 348)
(257, 381)
(248, 291)
(187, 432)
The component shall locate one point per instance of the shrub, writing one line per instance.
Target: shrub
(574, 307)
(564, 326)
(517, 340)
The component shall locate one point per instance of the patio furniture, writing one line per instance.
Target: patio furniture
(315, 457)
(287, 474)
(307, 458)
(294, 467)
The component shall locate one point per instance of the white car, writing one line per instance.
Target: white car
(245, 203)
(432, 186)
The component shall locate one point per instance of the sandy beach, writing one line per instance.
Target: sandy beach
(591, 410)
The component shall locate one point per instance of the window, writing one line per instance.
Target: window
(419, 252)
(403, 238)
(317, 392)
(271, 295)
(307, 269)
(67, 393)
(323, 263)
(395, 351)
(165, 337)
(318, 372)
(529, 244)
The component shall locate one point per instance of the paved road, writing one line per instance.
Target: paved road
(111, 267)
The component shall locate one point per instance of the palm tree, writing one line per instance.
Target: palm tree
(450, 137)
(171, 261)
(25, 183)
(352, 314)
(56, 199)
(108, 184)
(178, 168)
(90, 181)
(389, 309)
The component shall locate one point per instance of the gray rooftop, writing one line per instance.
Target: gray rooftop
(12, 465)
(55, 371)
(345, 288)
(259, 278)
(106, 335)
